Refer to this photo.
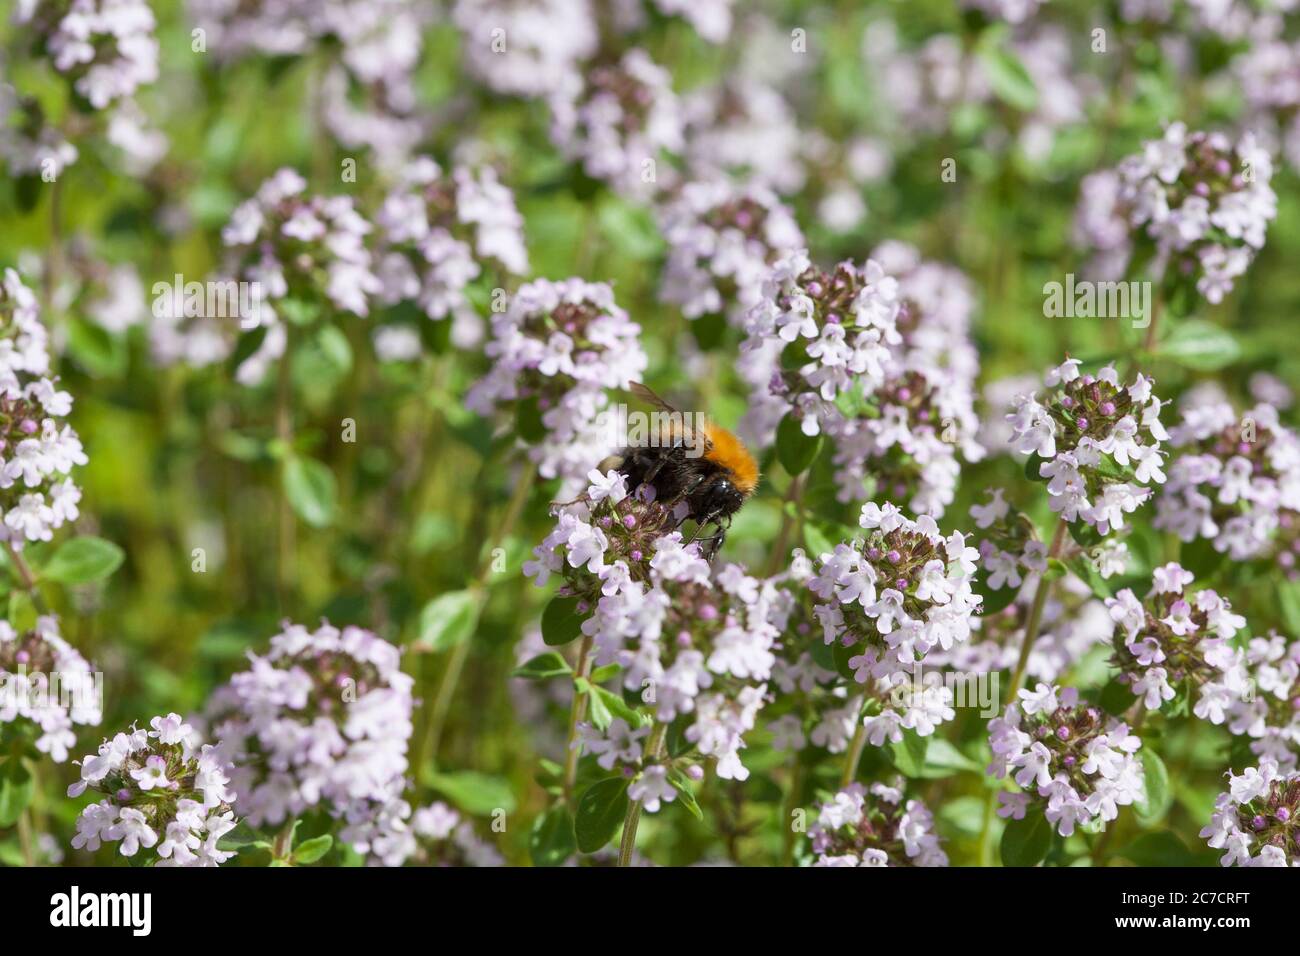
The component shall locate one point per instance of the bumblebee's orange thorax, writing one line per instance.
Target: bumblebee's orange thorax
(729, 452)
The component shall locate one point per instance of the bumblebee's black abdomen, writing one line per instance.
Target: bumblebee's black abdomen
(670, 471)
(703, 484)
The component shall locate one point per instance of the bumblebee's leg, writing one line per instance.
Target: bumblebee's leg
(719, 536)
(654, 470)
(714, 542)
(689, 489)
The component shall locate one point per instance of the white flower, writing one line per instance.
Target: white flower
(133, 830)
(1042, 699)
(618, 744)
(152, 774)
(651, 787)
(171, 729)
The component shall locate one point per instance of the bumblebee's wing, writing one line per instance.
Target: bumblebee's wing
(647, 394)
(666, 421)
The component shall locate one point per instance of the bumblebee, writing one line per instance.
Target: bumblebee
(714, 481)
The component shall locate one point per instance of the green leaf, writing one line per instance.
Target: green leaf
(27, 192)
(16, 788)
(992, 600)
(1085, 534)
(247, 345)
(336, 348)
(618, 706)
(602, 674)
(83, 559)
(1159, 796)
(551, 840)
(852, 403)
(1288, 594)
(11, 853)
(942, 759)
(841, 655)
(478, 794)
(1116, 697)
(309, 851)
(1087, 572)
(1200, 345)
(816, 539)
(98, 352)
(528, 421)
(448, 620)
(561, 622)
(1162, 848)
(794, 449)
(964, 814)
(298, 311)
(1026, 842)
(823, 654)
(1007, 75)
(601, 718)
(1201, 558)
(709, 330)
(630, 229)
(22, 612)
(542, 666)
(909, 753)
(1033, 468)
(606, 705)
(600, 813)
(244, 836)
(685, 792)
(311, 489)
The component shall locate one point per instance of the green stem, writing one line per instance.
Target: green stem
(28, 579)
(284, 432)
(854, 754)
(776, 559)
(1032, 626)
(792, 801)
(460, 653)
(1035, 614)
(282, 847)
(54, 259)
(576, 713)
(25, 837)
(652, 748)
(1149, 342)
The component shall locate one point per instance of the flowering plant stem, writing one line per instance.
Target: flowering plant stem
(854, 754)
(25, 575)
(25, 836)
(283, 845)
(54, 258)
(652, 748)
(1035, 614)
(791, 804)
(25, 821)
(1032, 625)
(284, 432)
(790, 518)
(576, 713)
(460, 653)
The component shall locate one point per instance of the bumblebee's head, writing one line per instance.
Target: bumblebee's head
(720, 499)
